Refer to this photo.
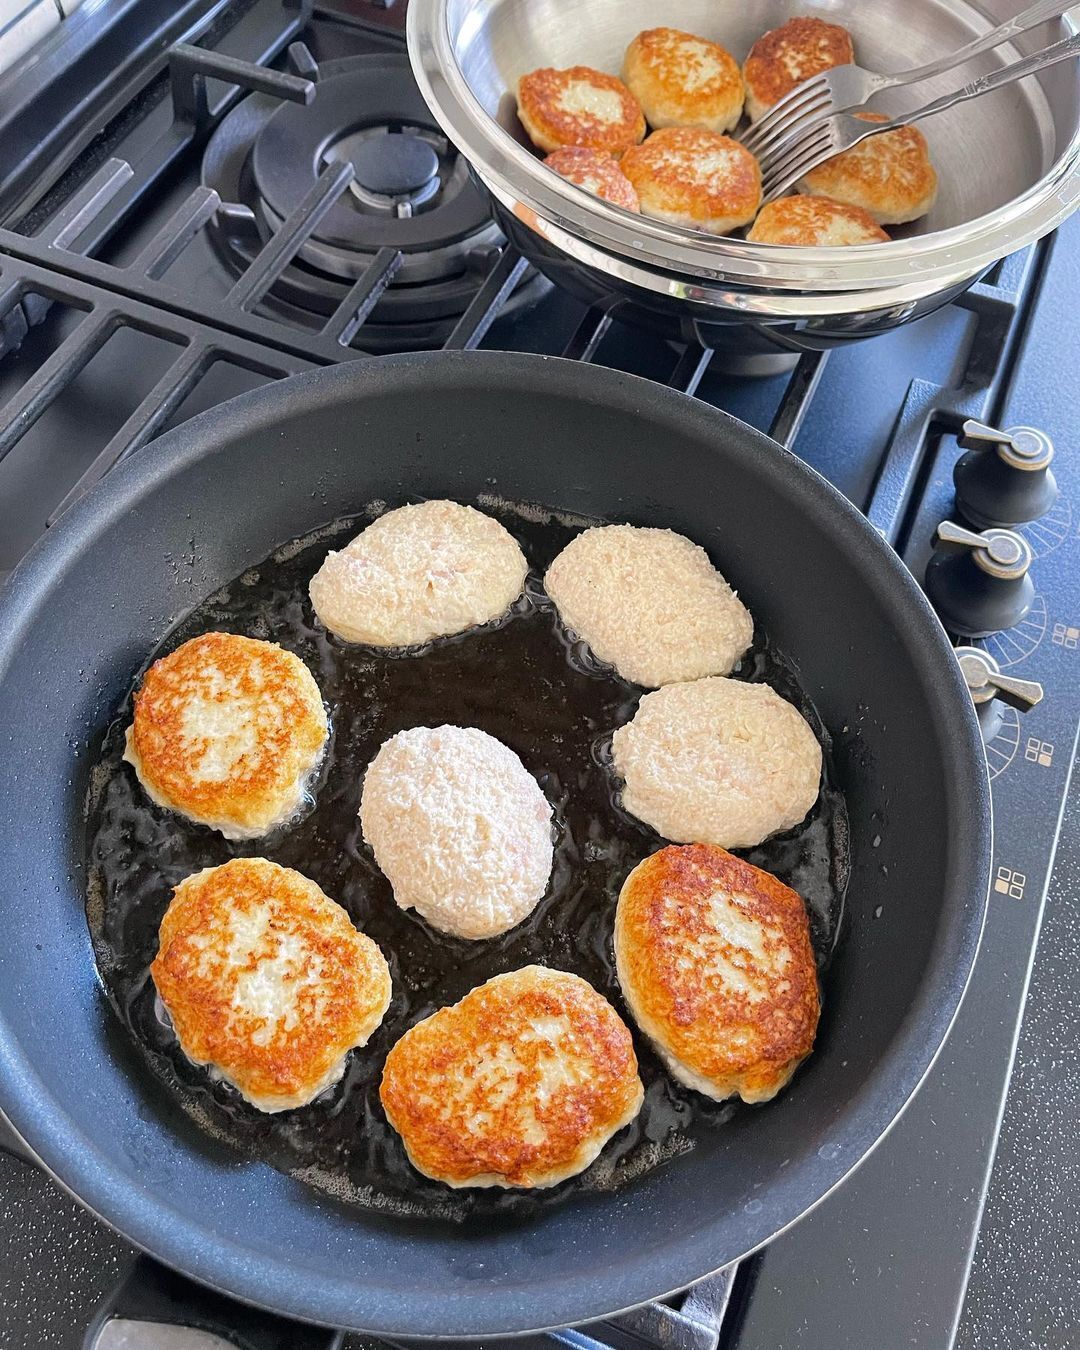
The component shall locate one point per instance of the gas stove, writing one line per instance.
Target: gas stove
(199, 197)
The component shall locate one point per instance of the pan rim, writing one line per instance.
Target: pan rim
(144, 1214)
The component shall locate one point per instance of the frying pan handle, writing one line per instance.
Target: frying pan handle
(155, 1309)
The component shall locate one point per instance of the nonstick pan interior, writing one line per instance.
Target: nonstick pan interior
(189, 513)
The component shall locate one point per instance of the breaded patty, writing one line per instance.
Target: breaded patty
(227, 731)
(650, 603)
(579, 106)
(683, 81)
(596, 172)
(267, 981)
(460, 827)
(815, 222)
(783, 58)
(890, 176)
(522, 1083)
(717, 762)
(418, 573)
(715, 962)
(695, 178)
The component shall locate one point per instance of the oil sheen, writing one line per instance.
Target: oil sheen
(521, 680)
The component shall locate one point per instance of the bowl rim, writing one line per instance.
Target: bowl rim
(668, 258)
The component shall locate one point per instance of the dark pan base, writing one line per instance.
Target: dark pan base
(193, 510)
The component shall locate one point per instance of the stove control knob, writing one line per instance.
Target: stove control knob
(989, 689)
(1005, 478)
(979, 583)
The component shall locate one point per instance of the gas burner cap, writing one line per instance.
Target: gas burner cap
(394, 165)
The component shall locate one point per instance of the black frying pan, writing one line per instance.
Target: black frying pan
(192, 511)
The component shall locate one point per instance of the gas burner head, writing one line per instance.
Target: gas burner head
(399, 171)
(411, 192)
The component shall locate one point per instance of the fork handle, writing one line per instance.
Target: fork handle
(1030, 65)
(1042, 12)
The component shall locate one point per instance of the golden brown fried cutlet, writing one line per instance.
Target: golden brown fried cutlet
(597, 172)
(889, 176)
(227, 730)
(520, 1084)
(782, 59)
(267, 981)
(695, 178)
(684, 81)
(715, 962)
(578, 107)
(815, 222)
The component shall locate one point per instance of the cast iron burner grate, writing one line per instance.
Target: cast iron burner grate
(411, 192)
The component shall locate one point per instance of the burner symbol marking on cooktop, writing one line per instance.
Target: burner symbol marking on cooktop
(1039, 752)
(1001, 751)
(1067, 636)
(1009, 882)
(1044, 535)
(1013, 645)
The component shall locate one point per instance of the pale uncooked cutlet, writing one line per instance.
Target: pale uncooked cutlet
(420, 572)
(460, 827)
(717, 761)
(651, 603)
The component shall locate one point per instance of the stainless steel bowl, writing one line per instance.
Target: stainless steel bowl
(1009, 165)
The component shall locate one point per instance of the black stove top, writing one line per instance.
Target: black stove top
(252, 192)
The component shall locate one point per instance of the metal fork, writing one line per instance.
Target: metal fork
(844, 131)
(844, 87)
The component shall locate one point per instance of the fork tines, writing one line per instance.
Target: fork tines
(798, 158)
(807, 100)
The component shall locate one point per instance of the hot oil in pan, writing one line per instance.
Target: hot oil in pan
(519, 680)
